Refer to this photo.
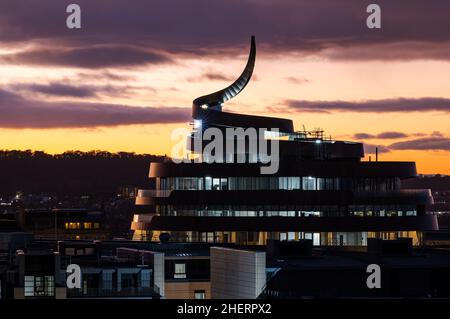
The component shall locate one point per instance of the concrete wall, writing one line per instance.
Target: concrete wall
(237, 273)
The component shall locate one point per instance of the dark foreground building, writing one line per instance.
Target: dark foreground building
(295, 270)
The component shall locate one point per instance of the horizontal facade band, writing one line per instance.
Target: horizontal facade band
(283, 224)
(286, 168)
(294, 197)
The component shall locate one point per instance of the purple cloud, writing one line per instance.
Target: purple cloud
(383, 135)
(212, 76)
(105, 75)
(70, 90)
(363, 136)
(58, 89)
(426, 104)
(89, 57)
(19, 112)
(391, 135)
(206, 27)
(427, 143)
(371, 149)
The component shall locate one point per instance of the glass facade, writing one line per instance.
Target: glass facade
(362, 187)
(318, 238)
(286, 210)
(39, 286)
(373, 184)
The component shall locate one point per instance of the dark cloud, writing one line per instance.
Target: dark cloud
(414, 30)
(434, 142)
(397, 51)
(371, 149)
(71, 90)
(426, 104)
(89, 57)
(383, 135)
(427, 143)
(217, 77)
(19, 112)
(391, 135)
(363, 136)
(105, 75)
(58, 89)
(211, 76)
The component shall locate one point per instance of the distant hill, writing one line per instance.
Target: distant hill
(72, 172)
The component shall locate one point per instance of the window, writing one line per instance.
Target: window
(199, 294)
(85, 287)
(145, 278)
(87, 225)
(107, 280)
(224, 184)
(316, 239)
(72, 225)
(309, 183)
(39, 286)
(180, 271)
(216, 184)
(295, 182)
(208, 183)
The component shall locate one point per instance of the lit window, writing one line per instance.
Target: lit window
(87, 225)
(96, 225)
(208, 183)
(216, 184)
(180, 271)
(199, 294)
(72, 225)
(309, 183)
(39, 286)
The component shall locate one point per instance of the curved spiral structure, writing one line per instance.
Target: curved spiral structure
(208, 108)
(214, 100)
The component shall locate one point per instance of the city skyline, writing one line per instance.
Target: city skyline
(123, 85)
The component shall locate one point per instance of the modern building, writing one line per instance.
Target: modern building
(322, 190)
(64, 223)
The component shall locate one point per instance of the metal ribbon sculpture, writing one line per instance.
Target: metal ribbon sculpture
(214, 100)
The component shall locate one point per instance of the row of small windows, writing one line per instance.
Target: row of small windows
(84, 225)
(286, 210)
(274, 183)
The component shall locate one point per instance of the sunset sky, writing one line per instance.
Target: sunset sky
(128, 77)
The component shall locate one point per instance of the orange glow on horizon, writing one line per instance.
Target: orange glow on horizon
(178, 84)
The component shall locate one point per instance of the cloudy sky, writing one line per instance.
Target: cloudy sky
(127, 78)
